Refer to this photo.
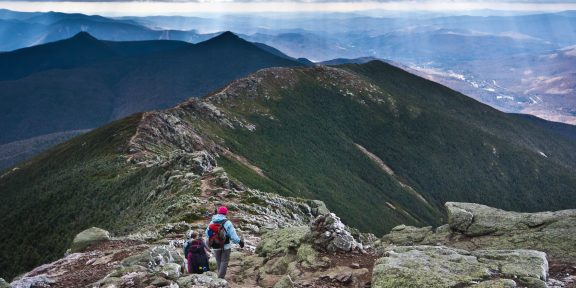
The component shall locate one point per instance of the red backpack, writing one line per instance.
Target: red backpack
(217, 235)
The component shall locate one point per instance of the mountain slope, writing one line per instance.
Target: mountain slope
(378, 145)
(82, 83)
(431, 142)
(76, 51)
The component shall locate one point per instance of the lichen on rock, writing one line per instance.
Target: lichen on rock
(427, 266)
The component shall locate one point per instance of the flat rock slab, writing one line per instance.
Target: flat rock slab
(476, 220)
(551, 232)
(440, 266)
(519, 263)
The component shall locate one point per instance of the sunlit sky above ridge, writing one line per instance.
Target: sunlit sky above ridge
(194, 7)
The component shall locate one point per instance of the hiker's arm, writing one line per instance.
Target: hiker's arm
(232, 232)
(207, 250)
(207, 236)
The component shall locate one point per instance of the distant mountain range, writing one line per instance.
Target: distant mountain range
(83, 83)
(379, 145)
(467, 53)
(22, 29)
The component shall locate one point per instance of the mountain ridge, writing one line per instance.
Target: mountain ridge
(380, 146)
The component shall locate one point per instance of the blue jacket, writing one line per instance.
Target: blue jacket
(230, 231)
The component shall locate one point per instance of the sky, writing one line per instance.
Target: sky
(192, 7)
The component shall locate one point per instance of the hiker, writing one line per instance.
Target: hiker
(197, 254)
(220, 232)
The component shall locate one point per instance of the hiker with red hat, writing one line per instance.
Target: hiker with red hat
(220, 232)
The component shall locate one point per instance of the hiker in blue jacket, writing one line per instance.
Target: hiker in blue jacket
(220, 232)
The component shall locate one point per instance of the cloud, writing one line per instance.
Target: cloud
(197, 7)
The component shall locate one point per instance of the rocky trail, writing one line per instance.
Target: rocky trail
(327, 253)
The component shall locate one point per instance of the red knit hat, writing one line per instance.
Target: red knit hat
(222, 210)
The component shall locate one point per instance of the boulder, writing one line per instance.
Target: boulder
(440, 266)
(88, 237)
(4, 284)
(155, 259)
(171, 271)
(202, 162)
(328, 233)
(281, 240)
(459, 219)
(476, 220)
(318, 207)
(427, 266)
(491, 228)
(342, 242)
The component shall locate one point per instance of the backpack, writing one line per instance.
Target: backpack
(217, 235)
(196, 256)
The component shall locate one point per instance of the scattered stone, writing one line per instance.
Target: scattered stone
(88, 237)
(160, 282)
(285, 282)
(344, 278)
(155, 259)
(355, 266)
(110, 282)
(208, 279)
(125, 270)
(328, 233)
(342, 274)
(180, 227)
(171, 271)
(38, 281)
